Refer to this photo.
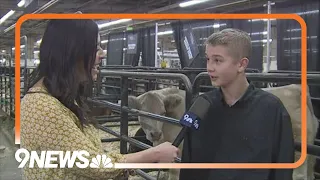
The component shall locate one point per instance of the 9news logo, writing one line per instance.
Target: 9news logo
(67, 159)
(189, 119)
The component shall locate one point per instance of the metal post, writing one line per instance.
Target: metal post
(5, 87)
(11, 97)
(1, 85)
(124, 114)
(25, 81)
(98, 83)
(156, 46)
(268, 37)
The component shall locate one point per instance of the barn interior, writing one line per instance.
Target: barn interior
(149, 54)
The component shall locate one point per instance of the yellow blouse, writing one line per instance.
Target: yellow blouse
(46, 124)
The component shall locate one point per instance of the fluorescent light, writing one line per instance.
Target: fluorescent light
(21, 3)
(191, 3)
(113, 23)
(163, 24)
(209, 26)
(258, 33)
(104, 41)
(36, 61)
(264, 41)
(164, 33)
(254, 20)
(22, 46)
(296, 38)
(293, 30)
(36, 52)
(216, 25)
(10, 27)
(3, 51)
(6, 16)
(308, 12)
(39, 41)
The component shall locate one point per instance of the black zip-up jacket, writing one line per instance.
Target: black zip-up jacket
(256, 129)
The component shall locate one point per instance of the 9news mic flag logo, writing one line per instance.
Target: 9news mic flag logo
(190, 120)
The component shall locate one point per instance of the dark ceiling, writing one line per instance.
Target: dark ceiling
(35, 28)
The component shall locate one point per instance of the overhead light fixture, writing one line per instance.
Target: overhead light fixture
(164, 33)
(22, 46)
(295, 38)
(113, 23)
(10, 27)
(263, 40)
(254, 20)
(259, 33)
(308, 12)
(21, 3)
(36, 61)
(6, 16)
(104, 41)
(39, 41)
(191, 3)
(293, 30)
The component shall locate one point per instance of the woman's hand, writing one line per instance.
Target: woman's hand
(165, 152)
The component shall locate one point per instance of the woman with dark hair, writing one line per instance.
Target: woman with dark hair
(54, 115)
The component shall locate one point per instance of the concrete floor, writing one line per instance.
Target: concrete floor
(8, 165)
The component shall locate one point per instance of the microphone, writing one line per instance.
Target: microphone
(191, 118)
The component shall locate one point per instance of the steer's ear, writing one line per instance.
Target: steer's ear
(134, 103)
(172, 101)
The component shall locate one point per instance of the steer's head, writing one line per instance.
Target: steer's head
(156, 104)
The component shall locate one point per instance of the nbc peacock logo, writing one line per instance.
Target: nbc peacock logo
(96, 162)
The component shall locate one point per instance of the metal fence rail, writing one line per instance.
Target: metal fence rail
(135, 112)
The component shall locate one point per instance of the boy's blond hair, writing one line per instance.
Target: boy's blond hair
(237, 41)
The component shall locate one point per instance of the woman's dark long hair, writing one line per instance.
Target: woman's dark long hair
(67, 47)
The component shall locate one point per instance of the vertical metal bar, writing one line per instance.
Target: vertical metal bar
(268, 37)
(134, 87)
(5, 87)
(99, 82)
(156, 46)
(124, 114)
(25, 83)
(11, 87)
(1, 85)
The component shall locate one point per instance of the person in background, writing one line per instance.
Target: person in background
(99, 57)
(244, 124)
(54, 114)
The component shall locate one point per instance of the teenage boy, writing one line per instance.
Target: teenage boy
(244, 125)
